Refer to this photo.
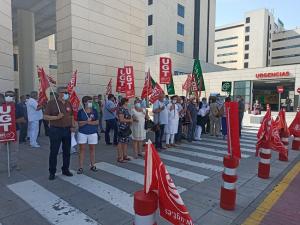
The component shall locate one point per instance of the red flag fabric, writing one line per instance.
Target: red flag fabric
(275, 142)
(75, 102)
(158, 179)
(233, 134)
(282, 125)
(72, 83)
(188, 83)
(147, 89)
(157, 90)
(109, 87)
(165, 73)
(194, 86)
(121, 80)
(129, 82)
(43, 86)
(295, 126)
(263, 134)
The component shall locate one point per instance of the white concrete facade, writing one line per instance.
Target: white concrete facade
(7, 79)
(96, 37)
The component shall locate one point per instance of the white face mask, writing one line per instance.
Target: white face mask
(89, 104)
(9, 99)
(174, 101)
(66, 96)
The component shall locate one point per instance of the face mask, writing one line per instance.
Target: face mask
(181, 101)
(89, 104)
(194, 101)
(138, 105)
(9, 99)
(66, 96)
(96, 100)
(174, 101)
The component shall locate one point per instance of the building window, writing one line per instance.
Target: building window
(150, 39)
(16, 63)
(226, 62)
(180, 10)
(286, 47)
(246, 56)
(286, 56)
(227, 54)
(248, 20)
(150, 20)
(287, 38)
(246, 47)
(150, 2)
(227, 46)
(180, 46)
(246, 65)
(247, 38)
(180, 28)
(270, 26)
(227, 39)
(247, 29)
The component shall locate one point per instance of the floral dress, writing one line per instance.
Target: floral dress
(123, 126)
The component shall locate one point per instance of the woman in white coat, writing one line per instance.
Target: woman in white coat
(173, 120)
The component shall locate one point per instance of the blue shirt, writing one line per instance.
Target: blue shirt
(19, 114)
(108, 114)
(88, 129)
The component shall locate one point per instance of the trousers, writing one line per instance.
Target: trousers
(33, 129)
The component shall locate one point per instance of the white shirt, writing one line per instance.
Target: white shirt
(33, 114)
(161, 117)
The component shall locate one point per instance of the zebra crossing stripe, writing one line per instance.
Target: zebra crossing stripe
(202, 148)
(191, 163)
(197, 154)
(113, 195)
(177, 172)
(51, 207)
(126, 174)
(225, 142)
(242, 149)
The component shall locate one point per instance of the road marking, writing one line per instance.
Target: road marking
(177, 172)
(115, 196)
(242, 140)
(202, 148)
(225, 142)
(51, 207)
(224, 146)
(191, 163)
(126, 174)
(261, 211)
(197, 154)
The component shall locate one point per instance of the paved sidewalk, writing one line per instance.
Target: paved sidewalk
(282, 205)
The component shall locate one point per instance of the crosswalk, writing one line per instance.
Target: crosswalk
(188, 164)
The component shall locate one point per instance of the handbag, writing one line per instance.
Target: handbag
(124, 132)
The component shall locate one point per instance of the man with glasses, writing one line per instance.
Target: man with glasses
(59, 113)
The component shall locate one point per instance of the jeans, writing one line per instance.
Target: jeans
(240, 123)
(33, 127)
(23, 132)
(101, 121)
(111, 125)
(159, 136)
(191, 131)
(58, 136)
(178, 136)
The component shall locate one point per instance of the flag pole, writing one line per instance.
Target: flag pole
(51, 88)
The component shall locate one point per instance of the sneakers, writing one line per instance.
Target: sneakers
(51, 176)
(67, 173)
(35, 146)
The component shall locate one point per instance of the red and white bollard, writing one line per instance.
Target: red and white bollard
(228, 189)
(285, 141)
(296, 144)
(264, 163)
(145, 207)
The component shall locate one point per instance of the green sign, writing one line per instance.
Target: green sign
(226, 86)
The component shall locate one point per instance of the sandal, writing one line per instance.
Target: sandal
(126, 158)
(80, 171)
(94, 169)
(119, 160)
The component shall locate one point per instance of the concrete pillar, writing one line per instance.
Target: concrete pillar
(26, 44)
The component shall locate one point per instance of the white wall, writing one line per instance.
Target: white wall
(7, 79)
(97, 37)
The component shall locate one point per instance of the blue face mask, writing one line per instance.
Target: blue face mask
(138, 105)
(66, 96)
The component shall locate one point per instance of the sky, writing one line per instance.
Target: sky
(230, 11)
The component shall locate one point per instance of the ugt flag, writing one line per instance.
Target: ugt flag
(43, 86)
(121, 77)
(129, 82)
(73, 82)
(156, 92)
(165, 71)
(158, 179)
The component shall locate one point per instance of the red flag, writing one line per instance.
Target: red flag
(233, 137)
(157, 90)
(43, 86)
(263, 135)
(194, 86)
(275, 142)
(129, 82)
(147, 89)
(121, 78)
(295, 126)
(158, 179)
(72, 83)
(188, 83)
(282, 125)
(75, 102)
(109, 87)
(165, 74)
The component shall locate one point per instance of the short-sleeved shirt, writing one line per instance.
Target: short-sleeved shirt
(65, 108)
(32, 112)
(162, 117)
(88, 129)
(193, 111)
(108, 114)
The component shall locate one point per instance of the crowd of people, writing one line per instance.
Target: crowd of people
(171, 119)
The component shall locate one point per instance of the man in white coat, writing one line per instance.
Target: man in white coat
(35, 114)
(173, 121)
